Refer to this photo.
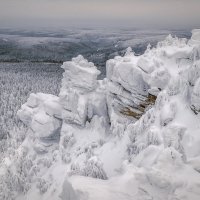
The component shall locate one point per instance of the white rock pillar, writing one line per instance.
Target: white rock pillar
(79, 80)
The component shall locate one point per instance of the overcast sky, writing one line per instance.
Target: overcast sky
(172, 13)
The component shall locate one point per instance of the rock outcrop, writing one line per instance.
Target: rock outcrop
(78, 84)
(138, 122)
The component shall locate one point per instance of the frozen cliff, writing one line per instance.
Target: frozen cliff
(133, 135)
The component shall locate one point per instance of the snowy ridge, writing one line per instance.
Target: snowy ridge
(133, 135)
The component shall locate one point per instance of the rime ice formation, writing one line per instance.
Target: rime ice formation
(195, 39)
(78, 89)
(133, 135)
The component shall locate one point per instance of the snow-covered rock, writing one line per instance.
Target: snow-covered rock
(195, 39)
(42, 113)
(79, 82)
(80, 74)
(195, 99)
(147, 101)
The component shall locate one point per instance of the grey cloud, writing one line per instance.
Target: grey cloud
(147, 12)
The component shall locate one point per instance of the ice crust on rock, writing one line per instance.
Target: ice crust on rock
(195, 99)
(138, 130)
(195, 39)
(78, 84)
(42, 113)
(80, 74)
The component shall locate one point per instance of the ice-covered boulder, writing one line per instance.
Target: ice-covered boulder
(25, 114)
(42, 113)
(194, 72)
(195, 39)
(125, 72)
(125, 84)
(44, 125)
(160, 78)
(146, 65)
(80, 74)
(133, 82)
(195, 54)
(175, 86)
(174, 48)
(195, 98)
(167, 113)
(129, 83)
(78, 83)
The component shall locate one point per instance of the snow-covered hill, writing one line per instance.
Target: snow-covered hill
(133, 135)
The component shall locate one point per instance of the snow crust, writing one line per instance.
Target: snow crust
(195, 39)
(133, 135)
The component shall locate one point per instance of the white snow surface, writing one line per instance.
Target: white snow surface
(81, 145)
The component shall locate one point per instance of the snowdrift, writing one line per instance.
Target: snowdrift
(133, 135)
